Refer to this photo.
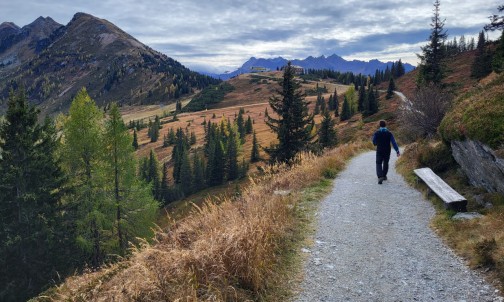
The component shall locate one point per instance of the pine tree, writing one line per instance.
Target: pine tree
(292, 124)
(153, 175)
(31, 248)
(240, 122)
(327, 133)
(153, 131)
(193, 139)
(431, 69)
(346, 112)
(164, 182)
(135, 139)
(362, 98)
(186, 173)
(482, 64)
(215, 172)
(336, 103)
(232, 151)
(496, 21)
(498, 57)
(198, 174)
(248, 126)
(390, 89)
(254, 156)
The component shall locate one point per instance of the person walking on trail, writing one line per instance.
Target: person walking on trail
(382, 140)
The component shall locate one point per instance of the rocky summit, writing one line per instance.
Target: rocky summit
(53, 62)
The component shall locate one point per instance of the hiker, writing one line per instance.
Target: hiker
(382, 140)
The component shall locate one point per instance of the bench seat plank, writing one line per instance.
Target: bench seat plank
(441, 188)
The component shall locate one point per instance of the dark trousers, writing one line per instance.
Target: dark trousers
(382, 164)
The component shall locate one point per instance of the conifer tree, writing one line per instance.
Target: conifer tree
(135, 208)
(323, 106)
(82, 159)
(171, 137)
(373, 100)
(232, 151)
(336, 103)
(33, 242)
(198, 174)
(346, 112)
(248, 126)
(327, 133)
(240, 122)
(193, 139)
(431, 68)
(390, 89)
(153, 131)
(254, 156)
(135, 139)
(153, 175)
(362, 98)
(292, 124)
(482, 64)
(215, 173)
(498, 57)
(164, 182)
(331, 102)
(186, 173)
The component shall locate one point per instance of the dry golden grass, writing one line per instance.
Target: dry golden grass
(480, 242)
(230, 251)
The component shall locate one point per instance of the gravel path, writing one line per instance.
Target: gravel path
(373, 243)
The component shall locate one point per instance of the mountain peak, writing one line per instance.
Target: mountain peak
(43, 23)
(9, 25)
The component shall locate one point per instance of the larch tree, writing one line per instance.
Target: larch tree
(135, 207)
(82, 154)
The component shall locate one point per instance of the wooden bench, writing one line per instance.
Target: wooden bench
(451, 198)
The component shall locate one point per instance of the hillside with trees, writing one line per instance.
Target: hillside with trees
(94, 53)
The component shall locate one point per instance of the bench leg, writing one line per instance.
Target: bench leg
(460, 206)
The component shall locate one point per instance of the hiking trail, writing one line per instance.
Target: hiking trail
(373, 243)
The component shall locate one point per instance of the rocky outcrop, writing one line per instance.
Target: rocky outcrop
(481, 165)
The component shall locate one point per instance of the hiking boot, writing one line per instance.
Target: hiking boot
(380, 180)
(384, 177)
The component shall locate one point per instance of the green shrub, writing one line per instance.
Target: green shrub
(330, 173)
(439, 157)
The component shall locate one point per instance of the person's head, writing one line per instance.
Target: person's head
(383, 124)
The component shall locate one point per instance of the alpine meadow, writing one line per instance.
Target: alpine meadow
(127, 176)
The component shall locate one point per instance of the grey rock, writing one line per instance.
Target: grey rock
(467, 216)
(481, 165)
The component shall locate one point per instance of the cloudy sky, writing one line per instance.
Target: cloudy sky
(219, 36)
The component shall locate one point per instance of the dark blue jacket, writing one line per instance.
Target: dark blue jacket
(382, 140)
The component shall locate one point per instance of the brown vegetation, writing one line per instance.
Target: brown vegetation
(225, 252)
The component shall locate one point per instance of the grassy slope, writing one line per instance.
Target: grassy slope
(263, 231)
(477, 113)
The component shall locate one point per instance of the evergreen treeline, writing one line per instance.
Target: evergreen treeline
(395, 71)
(210, 95)
(66, 203)
(196, 169)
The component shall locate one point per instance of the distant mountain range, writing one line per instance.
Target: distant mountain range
(333, 62)
(53, 62)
